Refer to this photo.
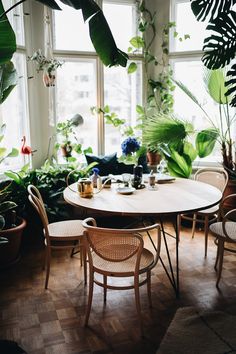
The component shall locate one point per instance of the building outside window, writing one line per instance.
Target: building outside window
(83, 82)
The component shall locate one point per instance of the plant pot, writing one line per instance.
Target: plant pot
(66, 150)
(153, 158)
(49, 78)
(10, 252)
(230, 189)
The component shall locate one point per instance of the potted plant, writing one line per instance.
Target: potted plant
(11, 225)
(48, 66)
(173, 137)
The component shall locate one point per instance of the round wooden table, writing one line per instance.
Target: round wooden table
(177, 197)
(172, 198)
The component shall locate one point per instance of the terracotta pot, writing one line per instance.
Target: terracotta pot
(10, 252)
(153, 158)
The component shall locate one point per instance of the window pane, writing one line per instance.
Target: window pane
(70, 31)
(122, 92)
(13, 113)
(15, 18)
(122, 32)
(186, 23)
(190, 73)
(76, 93)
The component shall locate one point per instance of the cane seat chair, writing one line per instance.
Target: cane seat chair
(217, 178)
(225, 232)
(119, 253)
(66, 234)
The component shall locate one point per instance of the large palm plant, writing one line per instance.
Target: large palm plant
(214, 81)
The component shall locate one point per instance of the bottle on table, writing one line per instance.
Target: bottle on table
(96, 179)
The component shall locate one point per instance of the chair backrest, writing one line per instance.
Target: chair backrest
(116, 245)
(36, 200)
(215, 177)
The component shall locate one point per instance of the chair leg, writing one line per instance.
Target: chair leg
(90, 296)
(149, 288)
(105, 288)
(48, 263)
(206, 229)
(84, 255)
(221, 256)
(217, 258)
(194, 224)
(137, 302)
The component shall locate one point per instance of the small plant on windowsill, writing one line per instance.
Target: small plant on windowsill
(48, 66)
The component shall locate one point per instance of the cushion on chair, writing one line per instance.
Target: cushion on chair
(230, 227)
(68, 229)
(107, 164)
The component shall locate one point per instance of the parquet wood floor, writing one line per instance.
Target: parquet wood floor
(51, 321)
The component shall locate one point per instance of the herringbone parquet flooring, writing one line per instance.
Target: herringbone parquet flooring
(51, 321)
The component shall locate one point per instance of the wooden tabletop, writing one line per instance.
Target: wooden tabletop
(179, 196)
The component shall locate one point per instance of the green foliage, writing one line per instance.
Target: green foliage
(220, 46)
(99, 32)
(8, 80)
(172, 137)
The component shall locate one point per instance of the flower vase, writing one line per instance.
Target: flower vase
(137, 176)
(49, 78)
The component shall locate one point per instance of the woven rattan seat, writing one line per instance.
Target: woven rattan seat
(225, 232)
(119, 253)
(217, 178)
(66, 234)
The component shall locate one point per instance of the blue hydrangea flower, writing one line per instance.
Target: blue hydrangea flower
(129, 146)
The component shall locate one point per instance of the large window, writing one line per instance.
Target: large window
(83, 82)
(13, 112)
(185, 59)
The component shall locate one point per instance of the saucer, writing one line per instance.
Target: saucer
(125, 190)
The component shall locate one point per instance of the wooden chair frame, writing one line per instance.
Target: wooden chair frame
(108, 249)
(59, 241)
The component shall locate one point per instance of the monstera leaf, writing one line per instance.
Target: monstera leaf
(232, 85)
(209, 8)
(8, 80)
(219, 48)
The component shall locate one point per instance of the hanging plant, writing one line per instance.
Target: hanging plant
(48, 66)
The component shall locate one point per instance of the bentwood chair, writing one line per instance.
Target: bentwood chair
(225, 232)
(66, 234)
(119, 253)
(217, 178)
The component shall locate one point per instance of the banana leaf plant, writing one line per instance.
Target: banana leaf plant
(173, 137)
(214, 81)
(220, 46)
(99, 31)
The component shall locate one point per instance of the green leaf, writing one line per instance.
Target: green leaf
(179, 165)
(205, 8)
(7, 38)
(14, 152)
(190, 150)
(14, 176)
(214, 81)
(8, 80)
(140, 109)
(205, 141)
(132, 68)
(5, 206)
(137, 42)
(2, 151)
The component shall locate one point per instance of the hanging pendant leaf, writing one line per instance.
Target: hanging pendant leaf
(204, 8)
(7, 38)
(8, 80)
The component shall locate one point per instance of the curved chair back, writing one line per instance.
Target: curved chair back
(36, 200)
(215, 177)
(116, 245)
